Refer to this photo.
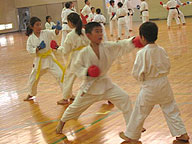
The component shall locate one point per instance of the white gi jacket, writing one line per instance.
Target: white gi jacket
(86, 10)
(73, 41)
(33, 42)
(151, 67)
(48, 26)
(128, 6)
(144, 6)
(109, 51)
(64, 14)
(91, 17)
(112, 10)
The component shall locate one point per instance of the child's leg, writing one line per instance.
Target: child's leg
(74, 110)
(182, 17)
(174, 121)
(169, 18)
(130, 23)
(120, 99)
(177, 19)
(32, 84)
(111, 27)
(67, 88)
(126, 30)
(119, 29)
(138, 116)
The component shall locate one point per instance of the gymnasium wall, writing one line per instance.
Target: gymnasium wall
(8, 14)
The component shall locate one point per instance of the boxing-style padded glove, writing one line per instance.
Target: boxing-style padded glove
(137, 42)
(177, 6)
(58, 26)
(53, 44)
(42, 45)
(161, 3)
(54, 27)
(93, 71)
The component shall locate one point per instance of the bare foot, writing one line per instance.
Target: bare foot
(183, 137)
(130, 30)
(119, 39)
(130, 141)
(128, 37)
(184, 24)
(59, 127)
(111, 35)
(28, 98)
(63, 102)
(168, 27)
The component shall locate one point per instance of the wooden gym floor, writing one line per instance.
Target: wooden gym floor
(34, 122)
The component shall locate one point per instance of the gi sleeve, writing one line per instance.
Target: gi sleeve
(30, 47)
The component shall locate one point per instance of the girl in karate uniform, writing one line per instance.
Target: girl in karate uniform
(38, 44)
(49, 25)
(74, 42)
(144, 9)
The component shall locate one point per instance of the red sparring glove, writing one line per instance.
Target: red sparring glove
(86, 16)
(113, 13)
(177, 6)
(161, 3)
(137, 42)
(167, 8)
(53, 44)
(93, 71)
(184, 4)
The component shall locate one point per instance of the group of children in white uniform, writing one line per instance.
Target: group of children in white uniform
(90, 58)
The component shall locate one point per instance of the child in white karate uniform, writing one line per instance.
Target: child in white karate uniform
(151, 68)
(49, 25)
(97, 85)
(102, 20)
(144, 10)
(120, 15)
(66, 29)
(130, 11)
(75, 41)
(181, 15)
(112, 19)
(38, 44)
(86, 10)
(91, 15)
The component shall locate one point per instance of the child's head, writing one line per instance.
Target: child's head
(119, 4)
(74, 21)
(148, 32)
(71, 4)
(112, 2)
(98, 11)
(93, 9)
(94, 32)
(68, 5)
(87, 2)
(48, 19)
(35, 26)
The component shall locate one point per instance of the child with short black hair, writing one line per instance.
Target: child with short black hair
(91, 15)
(102, 20)
(151, 67)
(92, 65)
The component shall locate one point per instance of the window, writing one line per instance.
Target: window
(6, 26)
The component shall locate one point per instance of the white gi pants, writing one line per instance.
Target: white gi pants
(172, 14)
(145, 19)
(140, 113)
(32, 83)
(115, 95)
(112, 25)
(130, 22)
(122, 23)
(68, 85)
(182, 17)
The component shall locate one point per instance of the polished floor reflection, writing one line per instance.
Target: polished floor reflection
(35, 122)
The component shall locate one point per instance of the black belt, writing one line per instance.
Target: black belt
(121, 16)
(176, 9)
(64, 22)
(173, 8)
(130, 12)
(143, 11)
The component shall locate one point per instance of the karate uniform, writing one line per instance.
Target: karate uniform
(144, 9)
(101, 19)
(112, 20)
(99, 88)
(173, 12)
(151, 67)
(86, 10)
(120, 15)
(72, 41)
(91, 17)
(49, 26)
(65, 28)
(47, 63)
(129, 7)
(181, 15)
